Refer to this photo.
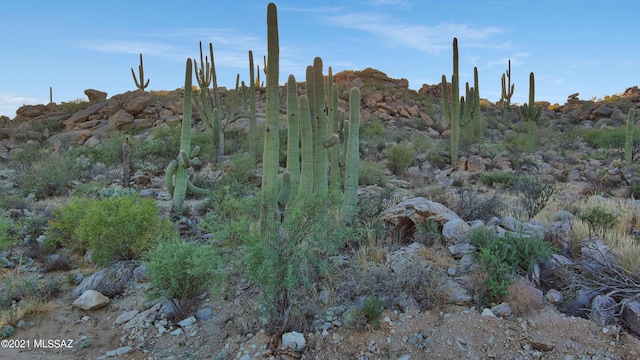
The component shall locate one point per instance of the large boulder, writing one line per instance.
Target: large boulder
(404, 216)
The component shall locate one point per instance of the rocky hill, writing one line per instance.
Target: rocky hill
(583, 302)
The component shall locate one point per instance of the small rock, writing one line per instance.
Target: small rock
(124, 317)
(205, 313)
(294, 340)
(188, 321)
(91, 300)
(554, 296)
(176, 332)
(120, 351)
(488, 312)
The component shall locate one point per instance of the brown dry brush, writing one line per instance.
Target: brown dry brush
(602, 276)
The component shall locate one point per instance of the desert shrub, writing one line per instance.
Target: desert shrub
(400, 157)
(502, 257)
(180, 270)
(21, 297)
(289, 270)
(612, 140)
(160, 147)
(8, 231)
(634, 191)
(73, 106)
(52, 175)
(536, 193)
(368, 315)
(62, 229)
(504, 178)
(473, 207)
(114, 228)
(598, 220)
(230, 215)
(371, 173)
(515, 143)
(108, 152)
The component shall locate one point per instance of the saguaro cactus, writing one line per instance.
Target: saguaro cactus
(176, 176)
(531, 113)
(352, 156)
(140, 85)
(452, 109)
(293, 135)
(507, 91)
(628, 144)
(270, 185)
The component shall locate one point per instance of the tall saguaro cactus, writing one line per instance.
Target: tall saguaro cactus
(453, 113)
(352, 156)
(507, 91)
(253, 129)
(531, 113)
(141, 85)
(293, 134)
(176, 176)
(270, 184)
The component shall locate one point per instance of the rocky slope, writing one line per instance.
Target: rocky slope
(438, 321)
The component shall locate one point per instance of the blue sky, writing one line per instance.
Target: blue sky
(585, 46)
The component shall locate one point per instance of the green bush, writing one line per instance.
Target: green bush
(180, 270)
(599, 220)
(114, 228)
(613, 140)
(473, 207)
(369, 314)
(289, 270)
(502, 257)
(62, 229)
(7, 231)
(371, 173)
(51, 175)
(400, 157)
(504, 178)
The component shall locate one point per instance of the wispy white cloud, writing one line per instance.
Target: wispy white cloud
(401, 3)
(517, 59)
(429, 39)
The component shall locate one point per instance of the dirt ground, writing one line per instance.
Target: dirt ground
(446, 333)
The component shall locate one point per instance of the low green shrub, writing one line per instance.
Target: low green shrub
(371, 173)
(504, 178)
(369, 314)
(180, 270)
(502, 257)
(400, 157)
(7, 231)
(51, 175)
(113, 228)
(599, 220)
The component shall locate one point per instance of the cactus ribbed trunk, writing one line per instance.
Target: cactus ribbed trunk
(253, 132)
(531, 113)
(321, 183)
(293, 135)
(306, 145)
(352, 157)
(269, 223)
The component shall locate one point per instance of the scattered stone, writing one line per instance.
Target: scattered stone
(487, 312)
(188, 321)
(554, 296)
(126, 316)
(631, 315)
(119, 351)
(91, 300)
(109, 281)
(294, 340)
(205, 313)
(603, 309)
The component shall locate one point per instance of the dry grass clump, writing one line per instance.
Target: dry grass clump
(621, 236)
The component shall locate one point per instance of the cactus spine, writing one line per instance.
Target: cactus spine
(320, 183)
(270, 183)
(531, 113)
(628, 144)
(140, 85)
(352, 156)
(177, 180)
